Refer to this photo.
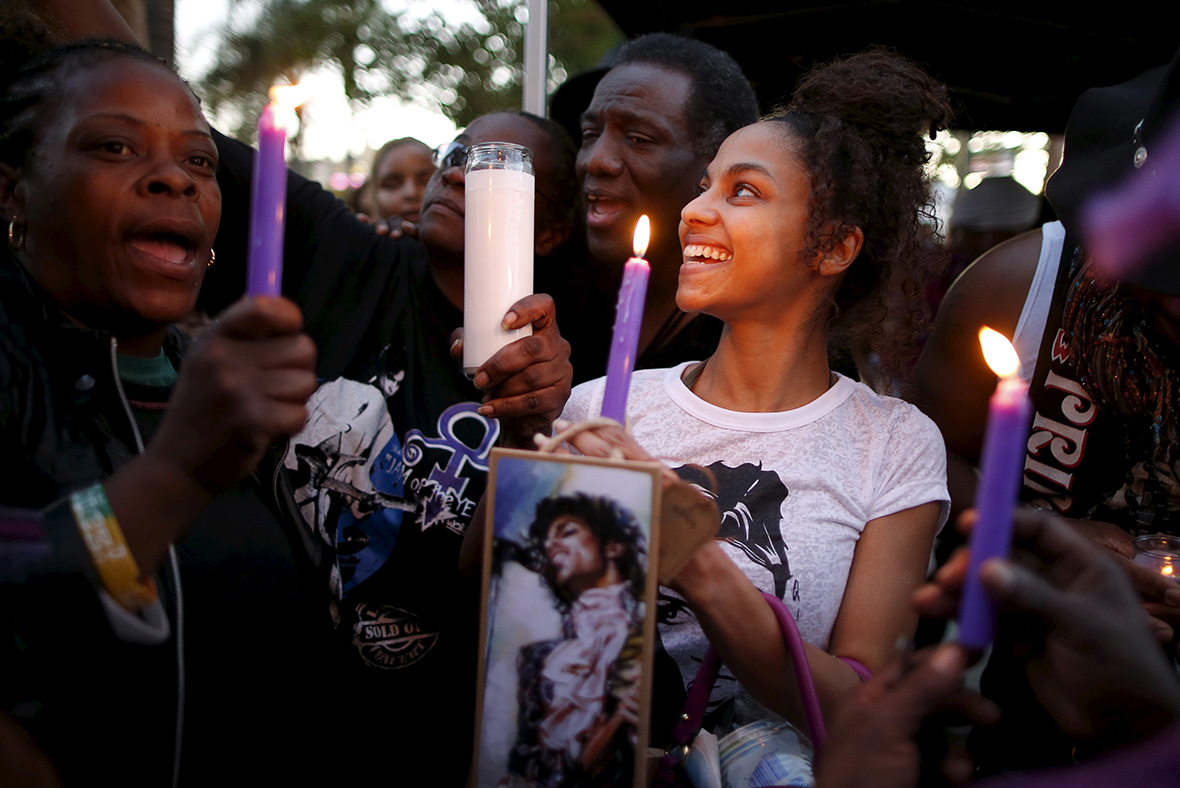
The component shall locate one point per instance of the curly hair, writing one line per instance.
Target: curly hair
(858, 125)
(721, 101)
(608, 521)
(33, 69)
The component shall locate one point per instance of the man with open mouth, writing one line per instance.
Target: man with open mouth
(654, 123)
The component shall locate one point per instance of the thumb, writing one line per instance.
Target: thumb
(259, 317)
(1017, 589)
(917, 693)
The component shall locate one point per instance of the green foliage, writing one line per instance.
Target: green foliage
(465, 59)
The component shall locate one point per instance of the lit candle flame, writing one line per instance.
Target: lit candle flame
(284, 99)
(642, 235)
(998, 352)
(288, 97)
(1167, 570)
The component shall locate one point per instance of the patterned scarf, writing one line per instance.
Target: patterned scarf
(1128, 370)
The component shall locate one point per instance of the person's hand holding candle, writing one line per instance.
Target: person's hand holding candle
(527, 382)
(1090, 657)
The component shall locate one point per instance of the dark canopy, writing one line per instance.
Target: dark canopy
(1011, 65)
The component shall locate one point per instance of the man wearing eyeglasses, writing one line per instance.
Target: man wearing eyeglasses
(393, 460)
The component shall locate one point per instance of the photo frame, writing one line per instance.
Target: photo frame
(568, 621)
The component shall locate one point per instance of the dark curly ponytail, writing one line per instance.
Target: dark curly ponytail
(859, 124)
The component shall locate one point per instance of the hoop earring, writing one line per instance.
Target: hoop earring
(16, 235)
(212, 259)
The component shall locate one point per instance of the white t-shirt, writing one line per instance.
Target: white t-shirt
(796, 487)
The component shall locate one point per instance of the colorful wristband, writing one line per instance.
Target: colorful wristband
(108, 549)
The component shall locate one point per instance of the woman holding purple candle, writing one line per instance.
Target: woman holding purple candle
(808, 231)
(118, 433)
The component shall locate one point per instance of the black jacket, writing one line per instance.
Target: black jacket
(101, 691)
(83, 690)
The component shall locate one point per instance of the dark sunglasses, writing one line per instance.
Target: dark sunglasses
(452, 154)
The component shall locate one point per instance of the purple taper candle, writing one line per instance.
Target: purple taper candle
(1000, 471)
(268, 202)
(624, 343)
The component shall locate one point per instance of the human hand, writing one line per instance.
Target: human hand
(1073, 616)
(527, 382)
(244, 384)
(1151, 587)
(689, 518)
(393, 226)
(610, 440)
(873, 732)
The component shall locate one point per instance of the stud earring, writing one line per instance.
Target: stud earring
(16, 235)
(212, 259)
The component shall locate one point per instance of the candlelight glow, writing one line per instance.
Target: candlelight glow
(1168, 570)
(288, 97)
(998, 352)
(642, 235)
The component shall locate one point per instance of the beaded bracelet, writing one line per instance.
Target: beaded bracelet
(108, 549)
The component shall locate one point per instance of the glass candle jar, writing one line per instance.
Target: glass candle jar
(498, 246)
(1159, 553)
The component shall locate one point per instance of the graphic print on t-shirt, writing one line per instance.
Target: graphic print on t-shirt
(448, 473)
(346, 468)
(751, 500)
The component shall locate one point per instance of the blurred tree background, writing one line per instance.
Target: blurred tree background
(462, 56)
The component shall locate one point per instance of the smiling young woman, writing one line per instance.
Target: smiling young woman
(808, 227)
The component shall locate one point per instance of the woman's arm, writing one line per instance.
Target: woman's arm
(889, 563)
(241, 387)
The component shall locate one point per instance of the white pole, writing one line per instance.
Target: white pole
(536, 56)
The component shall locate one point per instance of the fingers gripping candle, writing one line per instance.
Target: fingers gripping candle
(1000, 471)
(624, 345)
(498, 246)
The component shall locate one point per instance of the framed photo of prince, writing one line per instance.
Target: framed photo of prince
(568, 622)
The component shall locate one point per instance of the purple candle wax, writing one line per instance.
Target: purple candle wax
(624, 344)
(1000, 472)
(268, 205)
